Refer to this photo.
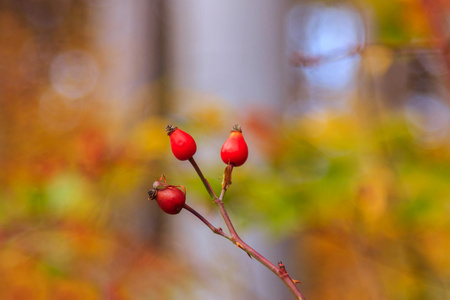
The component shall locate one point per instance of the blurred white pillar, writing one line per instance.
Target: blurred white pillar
(125, 36)
(232, 48)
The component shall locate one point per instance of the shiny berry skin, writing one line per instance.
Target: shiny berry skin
(234, 151)
(170, 199)
(182, 144)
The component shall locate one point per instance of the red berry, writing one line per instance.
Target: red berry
(234, 151)
(182, 144)
(170, 199)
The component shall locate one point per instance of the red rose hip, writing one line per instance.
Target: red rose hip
(171, 200)
(182, 144)
(234, 151)
(169, 197)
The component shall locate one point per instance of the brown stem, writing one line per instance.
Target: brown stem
(216, 230)
(203, 179)
(280, 270)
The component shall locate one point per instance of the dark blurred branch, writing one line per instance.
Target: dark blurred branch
(162, 19)
(437, 15)
(299, 59)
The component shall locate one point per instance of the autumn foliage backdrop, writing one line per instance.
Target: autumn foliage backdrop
(347, 179)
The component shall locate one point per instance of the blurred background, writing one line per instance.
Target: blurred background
(344, 106)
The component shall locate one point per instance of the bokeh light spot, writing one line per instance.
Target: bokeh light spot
(74, 73)
(427, 119)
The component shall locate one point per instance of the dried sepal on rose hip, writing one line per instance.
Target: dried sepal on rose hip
(170, 198)
(182, 144)
(234, 151)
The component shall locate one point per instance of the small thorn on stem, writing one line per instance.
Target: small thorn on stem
(297, 281)
(239, 246)
(242, 247)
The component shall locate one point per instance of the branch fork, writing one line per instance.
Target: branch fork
(279, 270)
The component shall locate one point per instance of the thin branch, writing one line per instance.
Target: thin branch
(203, 179)
(216, 230)
(432, 47)
(241, 244)
(299, 59)
(279, 270)
(281, 273)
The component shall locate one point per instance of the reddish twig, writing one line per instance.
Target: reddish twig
(216, 230)
(279, 270)
(298, 59)
(431, 47)
(205, 182)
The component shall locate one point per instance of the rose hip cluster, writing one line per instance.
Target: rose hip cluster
(171, 199)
